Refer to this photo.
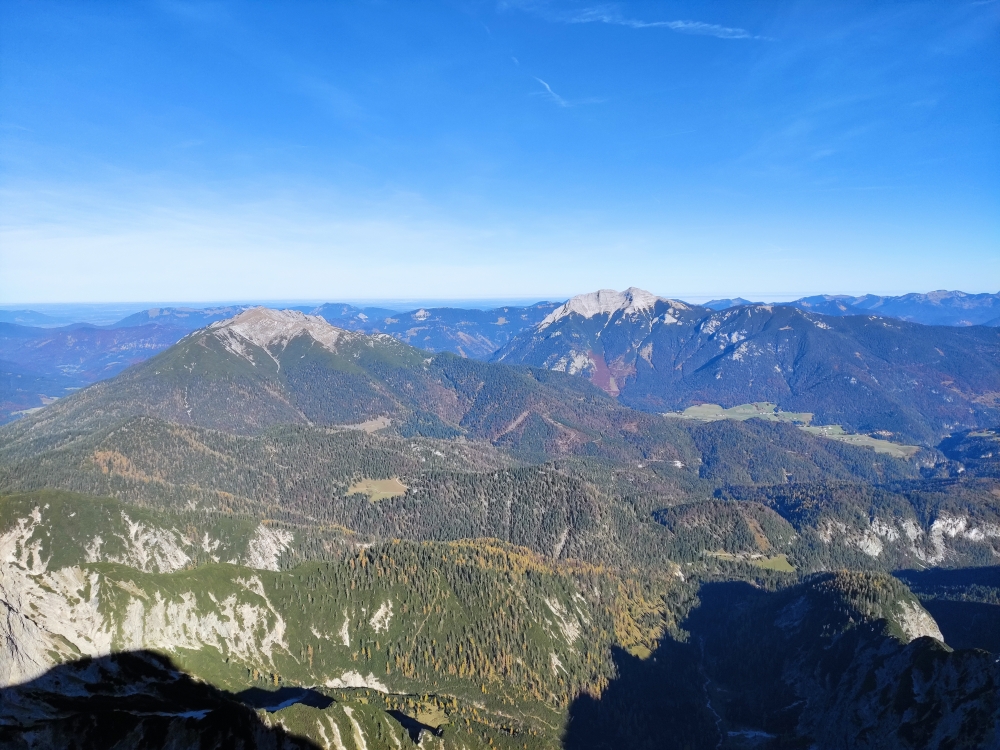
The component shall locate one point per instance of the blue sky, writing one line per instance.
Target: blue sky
(196, 151)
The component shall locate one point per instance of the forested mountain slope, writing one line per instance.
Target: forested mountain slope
(471, 644)
(902, 380)
(82, 354)
(838, 661)
(266, 368)
(468, 332)
(480, 643)
(358, 544)
(40, 364)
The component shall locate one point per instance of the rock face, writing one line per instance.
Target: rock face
(598, 335)
(630, 303)
(52, 615)
(273, 329)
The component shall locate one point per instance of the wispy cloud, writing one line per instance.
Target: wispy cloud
(610, 14)
(550, 94)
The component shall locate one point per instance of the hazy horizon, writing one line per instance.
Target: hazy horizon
(528, 149)
(105, 313)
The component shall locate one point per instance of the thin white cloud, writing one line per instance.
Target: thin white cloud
(609, 14)
(550, 94)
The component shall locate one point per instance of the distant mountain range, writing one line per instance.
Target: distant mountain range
(39, 362)
(468, 333)
(28, 318)
(38, 365)
(940, 308)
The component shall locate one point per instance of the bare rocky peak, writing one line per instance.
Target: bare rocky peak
(268, 328)
(607, 302)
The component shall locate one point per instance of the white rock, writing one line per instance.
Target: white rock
(269, 329)
(606, 302)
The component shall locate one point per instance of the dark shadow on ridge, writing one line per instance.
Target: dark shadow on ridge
(136, 699)
(657, 702)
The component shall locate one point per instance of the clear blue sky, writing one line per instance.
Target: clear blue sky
(190, 150)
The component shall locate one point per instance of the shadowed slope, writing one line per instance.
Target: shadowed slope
(842, 660)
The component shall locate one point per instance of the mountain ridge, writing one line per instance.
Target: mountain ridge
(869, 374)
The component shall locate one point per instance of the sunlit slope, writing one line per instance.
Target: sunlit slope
(587, 508)
(265, 368)
(480, 644)
(477, 620)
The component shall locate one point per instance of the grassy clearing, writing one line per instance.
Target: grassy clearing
(431, 716)
(802, 420)
(759, 410)
(378, 489)
(778, 562)
(372, 425)
(836, 432)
